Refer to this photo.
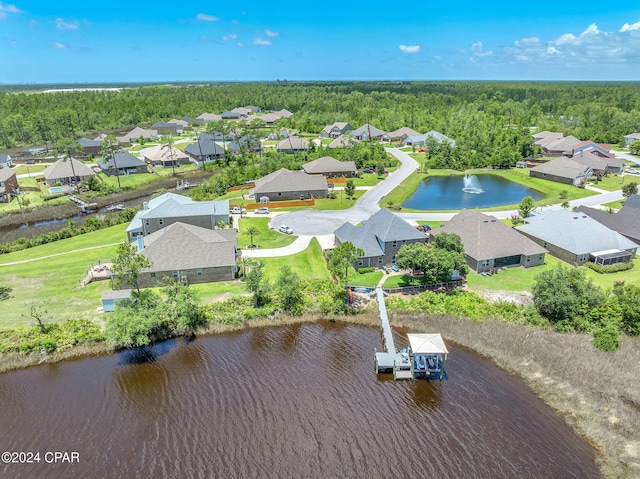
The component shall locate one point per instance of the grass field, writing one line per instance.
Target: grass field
(267, 238)
(309, 264)
(54, 281)
(129, 181)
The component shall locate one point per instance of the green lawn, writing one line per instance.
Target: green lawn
(368, 179)
(400, 281)
(30, 169)
(129, 181)
(55, 281)
(610, 183)
(367, 280)
(211, 292)
(309, 264)
(267, 238)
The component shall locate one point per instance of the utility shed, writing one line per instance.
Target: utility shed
(110, 297)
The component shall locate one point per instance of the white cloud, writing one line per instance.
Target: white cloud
(591, 30)
(203, 17)
(271, 33)
(628, 28)
(62, 25)
(231, 36)
(478, 50)
(410, 48)
(8, 8)
(567, 38)
(59, 46)
(262, 43)
(240, 44)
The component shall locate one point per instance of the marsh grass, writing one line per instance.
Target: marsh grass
(598, 393)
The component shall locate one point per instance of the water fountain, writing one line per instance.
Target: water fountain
(472, 185)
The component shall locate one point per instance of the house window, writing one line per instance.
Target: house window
(393, 259)
(485, 263)
(540, 257)
(360, 262)
(175, 274)
(160, 221)
(380, 260)
(279, 193)
(394, 244)
(199, 272)
(544, 245)
(146, 222)
(152, 275)
(528, 258)
(583, 257)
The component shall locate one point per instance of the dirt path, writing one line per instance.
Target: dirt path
(59, 254)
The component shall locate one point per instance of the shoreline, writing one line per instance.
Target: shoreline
(597, 393)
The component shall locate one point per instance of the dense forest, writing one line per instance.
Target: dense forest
(490, 121)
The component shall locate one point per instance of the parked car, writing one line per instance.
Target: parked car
(286, 230)
(236, 210)
(633, 171)
(262, 211)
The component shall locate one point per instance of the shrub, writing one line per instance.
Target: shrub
(606, 338)
(366, 270)
(612, 268)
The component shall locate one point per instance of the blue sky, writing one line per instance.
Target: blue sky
(71, 41)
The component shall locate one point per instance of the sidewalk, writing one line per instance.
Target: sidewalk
(298, 246)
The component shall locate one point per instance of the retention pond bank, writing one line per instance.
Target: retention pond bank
(293, 401)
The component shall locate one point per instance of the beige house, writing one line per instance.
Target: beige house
(292, 145)
(67, 172)
(284, 185)
(330, 167)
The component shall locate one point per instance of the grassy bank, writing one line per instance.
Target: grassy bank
(597, 392)
(550, 189)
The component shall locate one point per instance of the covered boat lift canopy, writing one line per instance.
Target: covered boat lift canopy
(427, 344)
(428, 354)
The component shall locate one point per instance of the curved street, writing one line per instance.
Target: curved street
(317, 222)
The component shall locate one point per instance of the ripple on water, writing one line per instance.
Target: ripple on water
(295, 401)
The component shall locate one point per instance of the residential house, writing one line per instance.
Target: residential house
(281, 134)
(90, 147)
(626, 221)
(401, 134)
(490, 244)
(122, 163)
(598, 163)
(628, 139)
(189, 254)
(137, 133)
(253, 109)
(335, 130)
(544, 137)
(268, 118)
(167, 128)
(599, 149)
(8, 184)
(562, 146)
(242, 111)
(165, 156)
(343, 141)
(562, 170)
(367, 132)
(283, 114)
(67, 172)
(217, 136)
(231, 115)
(330, 167)
(289, 185)
(5, 160)
(245, 143)
(421, 140)
(292, 144)
(575, 237)
(170, 208)
(204, 151)
(380, 237)
(209, 117)
(182, 124)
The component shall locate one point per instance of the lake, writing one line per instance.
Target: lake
(446, 193)
(282, 402)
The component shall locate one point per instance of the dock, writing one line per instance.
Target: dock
(425, 358)
(83, 205)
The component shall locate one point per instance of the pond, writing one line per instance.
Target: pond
(294, 401)
(456, 192)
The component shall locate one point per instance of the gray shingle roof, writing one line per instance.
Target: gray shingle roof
(404, 131)
(574, 231)
(6, 173)
(206, 147)
(486, 237)
(181, 246)
(284, 180)
(563, 144)
(626, 221)
(328, 164)
(381, 227)
(563, 167)
(367, 130)
(293, 143)
(63, 169)
(87, 143)
(123, 159)
(343, 141)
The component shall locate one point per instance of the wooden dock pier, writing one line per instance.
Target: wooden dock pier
(84, 206)
(425, 358)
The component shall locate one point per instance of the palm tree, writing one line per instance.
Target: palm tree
(244, 263)
(167, 145)
(221, 224)
(68, 147)
(252, 231)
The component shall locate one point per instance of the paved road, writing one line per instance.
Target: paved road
(316, 222)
